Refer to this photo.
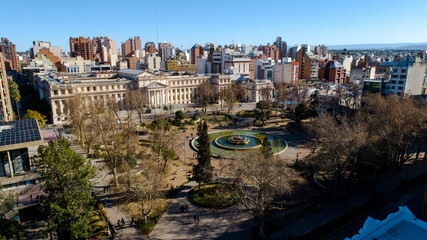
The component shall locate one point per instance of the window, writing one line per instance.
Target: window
(403, 71)
(94, 88)
(87, 89)
(401, 82)
(55, 92)
(395, 70)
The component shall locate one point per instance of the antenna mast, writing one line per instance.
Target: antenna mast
(157, 27)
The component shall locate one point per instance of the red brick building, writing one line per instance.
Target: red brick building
(196, 51)
(271, 51)
(81, 47)
(150, 47)
(9, 52)
(333, 71)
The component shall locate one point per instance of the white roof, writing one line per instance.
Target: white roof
(401, 225)
(130, 71)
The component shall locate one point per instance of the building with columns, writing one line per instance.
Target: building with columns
(162, 89)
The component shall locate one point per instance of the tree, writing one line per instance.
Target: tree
(203, 170)
(144, 187)
(262, 111)
(9, 229)
(66, 181)
(138, 101)
(179, 115)
(282, 92)
(161, 138)
(35, 115)
(267, 95)
(229, 96)
(205, 94)
(114, 141)
(259, 179)
(341, 142)
(15, 95)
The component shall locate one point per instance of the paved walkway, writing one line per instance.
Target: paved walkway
(108, 200)
(231, 223)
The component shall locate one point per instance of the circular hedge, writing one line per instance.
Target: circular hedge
(215, 195)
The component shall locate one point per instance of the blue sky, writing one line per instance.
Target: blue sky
(186, 22)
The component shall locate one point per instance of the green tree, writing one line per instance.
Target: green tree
(9, 229)
(203, 170)
(66, 178)
(262, 111)
(266, 148)
(37, 116)
(179, 115)
(15, 95)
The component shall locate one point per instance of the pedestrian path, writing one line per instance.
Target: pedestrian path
(107, 198)
(231, 223)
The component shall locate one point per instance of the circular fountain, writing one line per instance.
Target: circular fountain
(229, 143)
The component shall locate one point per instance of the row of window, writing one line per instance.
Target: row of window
(90, 89)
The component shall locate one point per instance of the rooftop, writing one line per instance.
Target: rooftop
(401, 225)
(20, 131)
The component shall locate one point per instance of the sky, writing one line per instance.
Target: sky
(187, 22)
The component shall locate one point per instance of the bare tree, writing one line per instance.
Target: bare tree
(138, 101)
(259, 179)
(229, 96)
(144, 187)
(161, 138)
(78, 115)
(114, 141)
(205, 94)
(340, 143)
(267, 95)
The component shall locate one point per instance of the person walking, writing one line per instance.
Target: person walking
(198, 219)
(118, 222)
(123, 221)
(131, 223)
(195, 218)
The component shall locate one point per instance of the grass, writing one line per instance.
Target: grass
(216, 195)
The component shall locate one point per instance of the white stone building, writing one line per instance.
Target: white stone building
(161, 89)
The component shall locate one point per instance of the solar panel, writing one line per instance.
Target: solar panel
(21, 131)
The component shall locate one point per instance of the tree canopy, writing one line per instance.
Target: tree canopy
(203, 170)
(66, 181)
(37, 116)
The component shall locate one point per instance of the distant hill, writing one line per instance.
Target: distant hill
(409, 46)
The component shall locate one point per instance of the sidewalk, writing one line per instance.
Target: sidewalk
(107, 199)
(231, 223)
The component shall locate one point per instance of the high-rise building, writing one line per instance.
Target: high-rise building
(9, 53)
(283, 47)
(166, 50)
(286, 71)
(271, 51)
(6, 114)
(407, 77)
(105, 50)
(150, 47)
(130, 46)
(81, 47)
(196, 50)
(321, 50)
(137, 43)
(39, 45)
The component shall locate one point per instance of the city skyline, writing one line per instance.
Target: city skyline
(192, 22)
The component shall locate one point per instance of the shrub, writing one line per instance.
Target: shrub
(187, 122)
(179, 115)
(214, 196)
(192, 122)
(133, 161)
(96, 154)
